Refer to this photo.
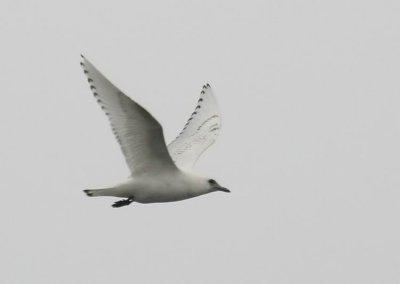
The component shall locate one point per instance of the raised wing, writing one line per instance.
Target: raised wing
(138, 133)
(199, 133)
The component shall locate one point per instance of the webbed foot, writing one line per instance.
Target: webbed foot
(123, 202)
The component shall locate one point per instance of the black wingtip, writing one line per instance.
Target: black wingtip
(83, 57)
(206, 86)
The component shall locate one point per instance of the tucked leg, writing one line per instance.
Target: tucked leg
(123, 202)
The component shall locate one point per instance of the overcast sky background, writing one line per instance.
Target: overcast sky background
(309, 93)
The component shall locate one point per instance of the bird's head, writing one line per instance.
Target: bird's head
(214, 186)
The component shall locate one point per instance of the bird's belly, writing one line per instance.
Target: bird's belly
(161, 195)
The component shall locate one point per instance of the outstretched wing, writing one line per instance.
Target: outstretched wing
(199, 133)
(138, 133)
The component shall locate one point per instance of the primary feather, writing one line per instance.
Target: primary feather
(137, 131)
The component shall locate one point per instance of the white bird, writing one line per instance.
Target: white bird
(158, 173)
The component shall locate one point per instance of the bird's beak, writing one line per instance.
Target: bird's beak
(220, 188)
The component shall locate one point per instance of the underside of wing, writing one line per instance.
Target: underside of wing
(138, 133)
(199, 133)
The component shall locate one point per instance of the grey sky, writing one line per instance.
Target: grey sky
(309, 95)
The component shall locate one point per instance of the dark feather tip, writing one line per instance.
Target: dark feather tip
(88, 192)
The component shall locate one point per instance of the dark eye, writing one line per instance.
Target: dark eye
(211, 181)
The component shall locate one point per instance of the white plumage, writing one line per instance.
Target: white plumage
(158, 173)
(199, 133)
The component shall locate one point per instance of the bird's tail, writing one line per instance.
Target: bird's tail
(90, 192)
(100, 192)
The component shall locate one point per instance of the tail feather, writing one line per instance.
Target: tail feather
(88, 192)
(101, 192)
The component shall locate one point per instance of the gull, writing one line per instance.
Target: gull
(159, 173)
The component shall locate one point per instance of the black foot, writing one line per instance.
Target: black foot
(123, 202)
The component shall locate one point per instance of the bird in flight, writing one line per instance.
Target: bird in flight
(159, 173)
